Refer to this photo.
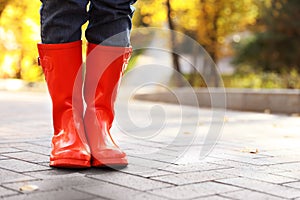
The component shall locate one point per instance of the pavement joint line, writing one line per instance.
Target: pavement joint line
(131, 187)
(277, 174)
(252, 189)
(45, 191)
(25, 151)
(22, 173)
(246, 162)
(288, 162)
(95, 195)
(205, 170)
(25, 171)
(138, 175)
(153, 159)
(197, 182)
(21, 181)
(12, 158)
(157, 195)
(225, 197)
(10, 190)
(38, 144)
(7, 188)
(29, 152)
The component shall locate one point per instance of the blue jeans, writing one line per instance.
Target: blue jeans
(61, 21)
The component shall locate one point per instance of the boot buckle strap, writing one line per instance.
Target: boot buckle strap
(45, 63)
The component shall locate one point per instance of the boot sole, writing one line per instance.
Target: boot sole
(70, 163)
(112, 162)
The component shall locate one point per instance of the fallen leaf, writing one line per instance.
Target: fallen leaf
(28, 188)
(250, 150)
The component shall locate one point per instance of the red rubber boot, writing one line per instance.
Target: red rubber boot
(61, 64)
(104, 69)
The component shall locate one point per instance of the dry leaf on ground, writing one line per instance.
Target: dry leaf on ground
(29, 188)
(250, 150)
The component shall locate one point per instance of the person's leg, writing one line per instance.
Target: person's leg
(61, 21)
(104, 68)
(60, 55)
(110, 22)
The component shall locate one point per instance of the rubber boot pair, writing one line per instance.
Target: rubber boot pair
(83, 139)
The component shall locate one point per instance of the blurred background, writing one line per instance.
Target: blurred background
(254, 42)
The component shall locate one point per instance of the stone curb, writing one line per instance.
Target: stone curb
(284, 101)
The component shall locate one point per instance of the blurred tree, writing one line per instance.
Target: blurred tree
(275, 44)
(3, 4)
(19, 27)
(210, 22)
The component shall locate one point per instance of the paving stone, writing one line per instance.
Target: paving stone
(3, 157)
(8, 150)
(190, 158)
(147, 143)
(176, 149)
(12, 144)
(20, 166)
(215, 197)
(288, 166)
(140, 150)
(28, 156)
(273, 172)
(260, 186)
(156, 157)
(146, 196)
(290, 174)
(293, 184)
(9, 176)
(36, 149)
(192, 177)
(147, 163)
(46, 164)
(5, 192)
(209, 159)
(247, 166)
(278, 152)
(55, 183)
(131, 181)
(235, 153)
(53, 195)
(194, 190)
(258, 175)
(248, 194)
(252, 161)
(193, 167)
(57, 173)
(108, 190)
(153, 173)
(144, 171)
(44, 143)
(282, 159)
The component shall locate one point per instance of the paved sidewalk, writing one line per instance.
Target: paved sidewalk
(257, 155)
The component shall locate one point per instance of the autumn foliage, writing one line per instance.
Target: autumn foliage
(264, 32)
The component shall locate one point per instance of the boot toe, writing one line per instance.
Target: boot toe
(70, 159)
(110, 158)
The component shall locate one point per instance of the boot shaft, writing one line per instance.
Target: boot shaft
(104, 68)
(61, 65)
